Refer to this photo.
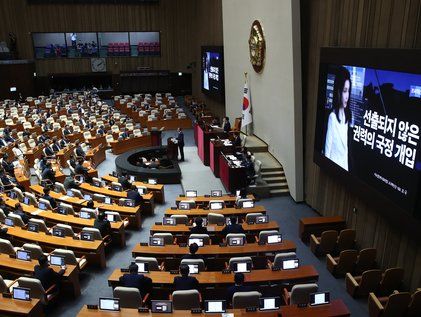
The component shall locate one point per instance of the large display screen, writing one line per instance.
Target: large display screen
(368, 127)
(212, 68)
(81, 44)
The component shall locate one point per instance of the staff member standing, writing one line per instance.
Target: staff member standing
(180, 142)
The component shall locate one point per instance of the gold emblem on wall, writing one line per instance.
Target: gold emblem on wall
(257, 47)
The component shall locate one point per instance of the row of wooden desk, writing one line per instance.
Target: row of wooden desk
(132, 213)
(156, 189)
(230, 211)
(53, 218)
(336, 308)
(229, 200)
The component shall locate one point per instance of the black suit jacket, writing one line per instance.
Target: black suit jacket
(139, 281)
(183, 283)
(47, 276)
(103, 226)
(180, 139)
(49, 151)
(227, 127)
(134, 195)
(80, 151)
(48, 173)
(233, 229)
(199, 230)
(51, 200)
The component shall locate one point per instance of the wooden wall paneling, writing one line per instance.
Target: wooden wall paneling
(359, 23)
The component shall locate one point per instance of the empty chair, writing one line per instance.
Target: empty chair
(414, 307)
(186, 300)
(192, 203)
(180, 219)
(325, 244)
(32, 198)
(68, 231)
(394, 306)
(17, 220)
(90, 212)
(168, 237)
(152, 262)
(60, 187)
(99, 197)
(200, 263)
(36, 289)
(204, 237)
(245, 299)
(346, 240)
(359, 286)
(69, 208)
(94, 231)
(137, 132)
(280, 257)
(35, 249)
(77, 193)
(241, 259)
(263, 235)
(251, 217)
(343, 264)
(240, 202)
(46, 202)
(392, 280)
(366, 260)
(6, 247)
(300, 293)
(2, 216)
(70, 258)
(215, 219)
(41, 224)
(129, 297)
(18, 192)
(235, 235)
(5, 285)
(115, 214)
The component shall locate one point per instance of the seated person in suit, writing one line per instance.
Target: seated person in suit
(234, 227)
(82, 170)
(55, 146)
(79, 150)
(42, 162)
(122, 179)
(48, 173)
(6, 165)
(6, 180)
(47, 276)
(199, 226)
(237, 140)
(49, 198)
(185, 282)
(133, 279)
(101, 130)
(134, 195)
(4, 207)
(154, 163)
(238, 287)
(48, 150)
(72, 161)
(19, 211)
(64, 142)
(70, 183)
(103, 225)
(90, 204)
(66, 131)
(193, 248)
(226, 125)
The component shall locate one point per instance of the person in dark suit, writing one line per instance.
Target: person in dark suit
(66, 131)
(103, 225)
(233, 227)
(101, 130)
(64, 142)
(6, 165)
(124, 134)
(43, 163)
(79, 150)
(122, 179)
(238, 287)
(180, 143)
(226, 125)
(47, 276)
(55, 146)
(199, 227)
(19, 211)
(237, 140)
(4, 207)
(48, 173)
(193, 248)
(133, 279)
(8, 138)
(82, 170)
(50, 199)
(70, 183)
(48, 151)
(72, 161)
(134, 195)
(185, 282)
(2, 142)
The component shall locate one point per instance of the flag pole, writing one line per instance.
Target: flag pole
(245, 81)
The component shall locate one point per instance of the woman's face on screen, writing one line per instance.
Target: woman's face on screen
(345, 94)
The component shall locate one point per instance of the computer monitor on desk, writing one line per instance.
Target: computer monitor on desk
(216, 205)
(216, 193)
(274, 238)
(21, 293)
(269, 303)
(215, 306)
(319, 298)
(198, 241)
(191, 193)
(112, 304)
(23, 255)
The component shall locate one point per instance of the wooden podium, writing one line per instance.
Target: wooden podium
(172, 149)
